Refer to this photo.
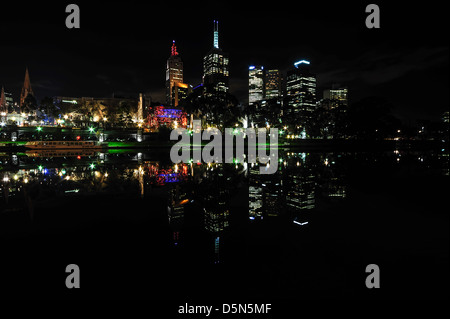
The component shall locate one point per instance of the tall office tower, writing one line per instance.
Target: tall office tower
(26, 89)
(300, 93)
(272, 83)
(255, 84)
(336, 96)
(215, 68)
(174, 73)
(180, 91)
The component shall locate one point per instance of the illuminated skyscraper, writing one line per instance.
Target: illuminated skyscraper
(272, 83)
(174, 74)
(336, 96)
(215, 68)
(180, 92)
(26, 89)
(255, 84)
(300, 93)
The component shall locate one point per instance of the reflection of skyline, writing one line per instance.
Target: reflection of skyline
(205, 191)
(121, 207)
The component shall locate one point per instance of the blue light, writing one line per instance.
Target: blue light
(251, 67)
(300, 62)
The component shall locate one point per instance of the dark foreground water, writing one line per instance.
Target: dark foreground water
(140, 227)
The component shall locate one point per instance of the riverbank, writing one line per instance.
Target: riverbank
(306, 144)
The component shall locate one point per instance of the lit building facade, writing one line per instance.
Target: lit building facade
(272, 83)
(159, 116)
(215, 68)
(300, 93)
(174, 74)
(255, 84)
(180, 92)
(336, 96)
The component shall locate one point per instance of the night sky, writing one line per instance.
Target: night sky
(122, 47)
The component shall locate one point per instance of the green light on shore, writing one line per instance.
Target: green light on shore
(40, 167)
(39, 128)
(92, 165)
(91, 129)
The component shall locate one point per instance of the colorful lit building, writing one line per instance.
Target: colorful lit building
(159, 116)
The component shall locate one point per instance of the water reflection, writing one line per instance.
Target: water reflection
(200, 197)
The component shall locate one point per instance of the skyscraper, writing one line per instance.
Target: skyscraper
(215, 68)
(174, 74)
(300, 93)
(26, 89)
(336, 96)
(272, 83)
(255, 84)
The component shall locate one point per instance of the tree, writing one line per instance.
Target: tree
(29, 104)
(371, 118)
(48, 107)
(221, 111)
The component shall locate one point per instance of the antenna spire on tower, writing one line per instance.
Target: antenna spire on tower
(216, 34)
(174, 49)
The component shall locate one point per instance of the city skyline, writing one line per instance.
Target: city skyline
(369, 62)
(277, 152)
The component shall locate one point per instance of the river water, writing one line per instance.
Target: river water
(139, 226)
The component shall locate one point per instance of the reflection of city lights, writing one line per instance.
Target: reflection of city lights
(6, 179)
(25, 180)
(16, 177)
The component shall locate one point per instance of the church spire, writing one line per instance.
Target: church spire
(3, 108)
(26, 89)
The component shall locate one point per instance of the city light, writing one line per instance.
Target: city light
(300, 62)
(39, 129)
